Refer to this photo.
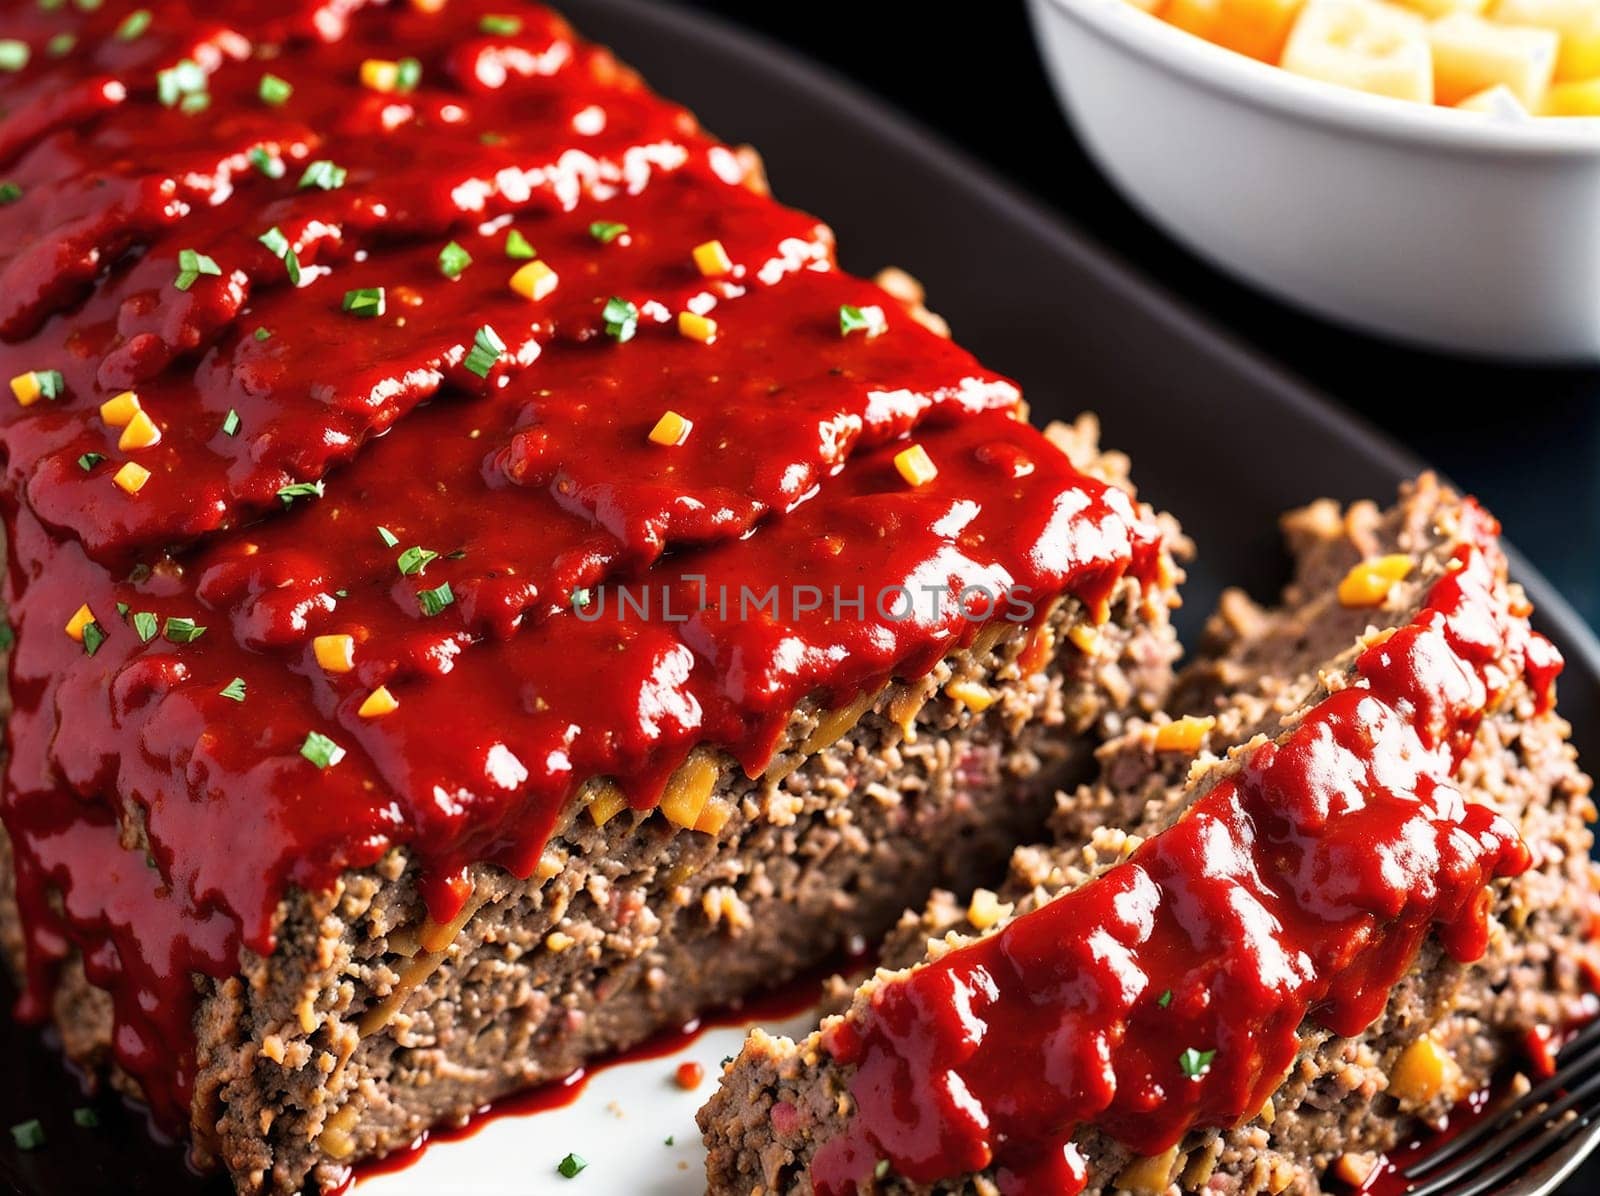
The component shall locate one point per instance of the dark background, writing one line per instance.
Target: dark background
(1526, 441)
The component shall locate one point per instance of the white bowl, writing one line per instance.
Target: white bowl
(1462, 231)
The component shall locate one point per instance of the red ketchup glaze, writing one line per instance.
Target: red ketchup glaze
(531, 483)
(1167, 994)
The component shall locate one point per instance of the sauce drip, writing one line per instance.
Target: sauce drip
(1167, 994)
(203, 207)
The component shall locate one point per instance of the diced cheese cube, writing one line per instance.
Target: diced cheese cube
(1577, 22)
(1443, 8)
(1362, 44)
(1258, 28)
(1470, 54)
(1498, 101)
(1198, 17)
(1579, 98)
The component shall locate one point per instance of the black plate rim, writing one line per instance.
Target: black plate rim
(827, 88)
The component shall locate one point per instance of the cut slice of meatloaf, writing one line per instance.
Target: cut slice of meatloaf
(1448, 1026)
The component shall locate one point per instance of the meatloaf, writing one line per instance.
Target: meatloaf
(486, 586)
(1446, 1001)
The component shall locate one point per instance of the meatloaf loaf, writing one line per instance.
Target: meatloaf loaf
(897, 1093)
(486, 586)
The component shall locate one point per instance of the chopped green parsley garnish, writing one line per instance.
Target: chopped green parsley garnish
(671, 1140)
(296, 490)
(456, 555)
(122, 609)
(408, 75)
(14, 54)
(176, 82)
(234, 690)
(491, 138)
(500, 25)
(278, 245)
(606, 231)
(622, 320)
(416, 560)
(573, 1163)
(266, 162)
(61, 45)
(518, 248)
(9, 192)
(434, 601)
(89, 5)
(198, 102)
(93, 636)
(580, 599)
(325, 174)
(453, 260)
(52, 5)
(274, 91)
(145, 625)
(1164, 999)
(853, 319)
(7, 636)
(388, 537)
(366, 302)
(51, 384)
(487, 348)
(321, 750)
(89, 460)
(191, 265)
(230, 422)
(85, 1118)
(262, 333)
(182, 631)
(134, 25)
(1196, 1063)
(29, 1135)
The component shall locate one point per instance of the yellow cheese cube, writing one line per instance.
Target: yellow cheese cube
(697, 327)
(1576, 22)
(915, 466)
(1258, 28)
(1579, 98)
(1198, 17)
(1364, 45)
(671, 430)
(1470, 54)
(26, 388)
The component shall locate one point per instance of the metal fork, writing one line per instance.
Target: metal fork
(1529, 1147)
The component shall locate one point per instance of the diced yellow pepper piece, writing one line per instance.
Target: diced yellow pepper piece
(26, 388)
(915, 466)
(1419, 1074)
(974, 697)
(119, 411)
(1258, 28)
(141, 432)
(1085, 638)
(1579, 98)
(689, 790)
(380, 74)
(81, 618)
(535, 281)
(697, 327)
(1184, 735)
(714, 817)
(131, 477)
(378, 703)
(713, 259)
(671, 430)
(336, 653)
(607, 804)
(1368, 583)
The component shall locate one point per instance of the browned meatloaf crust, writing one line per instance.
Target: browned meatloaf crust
(368, 1024)
(1447, 1028)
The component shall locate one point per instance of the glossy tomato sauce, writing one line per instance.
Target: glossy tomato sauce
(438, 327)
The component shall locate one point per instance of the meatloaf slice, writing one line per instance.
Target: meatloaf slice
(1448, 1026)
(371, 1023)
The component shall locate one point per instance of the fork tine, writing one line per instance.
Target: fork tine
(1520, 1161)
(1509, 1136)
(1582, 1059)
